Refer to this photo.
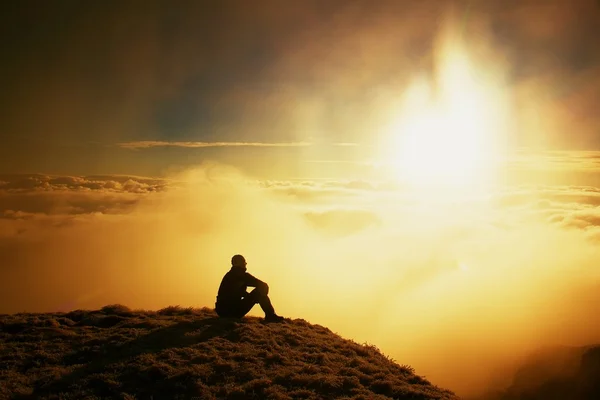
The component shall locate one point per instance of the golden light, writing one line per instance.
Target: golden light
(449, 131)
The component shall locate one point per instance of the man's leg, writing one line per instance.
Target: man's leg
(258, 296)
(235, 309)
(228, 311)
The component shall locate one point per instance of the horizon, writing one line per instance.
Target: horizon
(424, 177)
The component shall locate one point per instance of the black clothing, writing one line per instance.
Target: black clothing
(233, 300)
(241, 307)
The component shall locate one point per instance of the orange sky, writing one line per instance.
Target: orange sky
(418, 175)
(82, 84)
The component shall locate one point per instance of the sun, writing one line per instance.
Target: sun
(449, 134)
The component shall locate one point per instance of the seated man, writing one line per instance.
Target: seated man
(234, 302)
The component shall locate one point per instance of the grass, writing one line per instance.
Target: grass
(187, 353)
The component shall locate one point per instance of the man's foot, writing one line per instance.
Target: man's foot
(274, 318)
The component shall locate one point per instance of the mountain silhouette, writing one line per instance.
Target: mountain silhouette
(555, 373)
(186, 353)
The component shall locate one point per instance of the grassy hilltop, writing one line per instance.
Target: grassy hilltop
(178, 353)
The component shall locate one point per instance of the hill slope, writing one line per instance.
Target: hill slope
(186, 353)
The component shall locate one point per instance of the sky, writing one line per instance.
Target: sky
(422, 176)
(82, 83)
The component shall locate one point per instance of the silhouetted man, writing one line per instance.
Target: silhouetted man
(234, 302)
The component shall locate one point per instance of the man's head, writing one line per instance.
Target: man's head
(238, 261)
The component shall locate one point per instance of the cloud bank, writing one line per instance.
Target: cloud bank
(459, 289)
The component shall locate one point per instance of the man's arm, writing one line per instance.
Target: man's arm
(251, 281)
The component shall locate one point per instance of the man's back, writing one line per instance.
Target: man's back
(234, 285)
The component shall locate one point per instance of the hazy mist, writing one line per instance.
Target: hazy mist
(457, 289)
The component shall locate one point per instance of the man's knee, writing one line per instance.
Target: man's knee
(262, 290)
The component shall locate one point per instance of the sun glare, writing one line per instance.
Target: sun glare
(448, 132)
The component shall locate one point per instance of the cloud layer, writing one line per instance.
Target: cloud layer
(272, 73)
(449, 285)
